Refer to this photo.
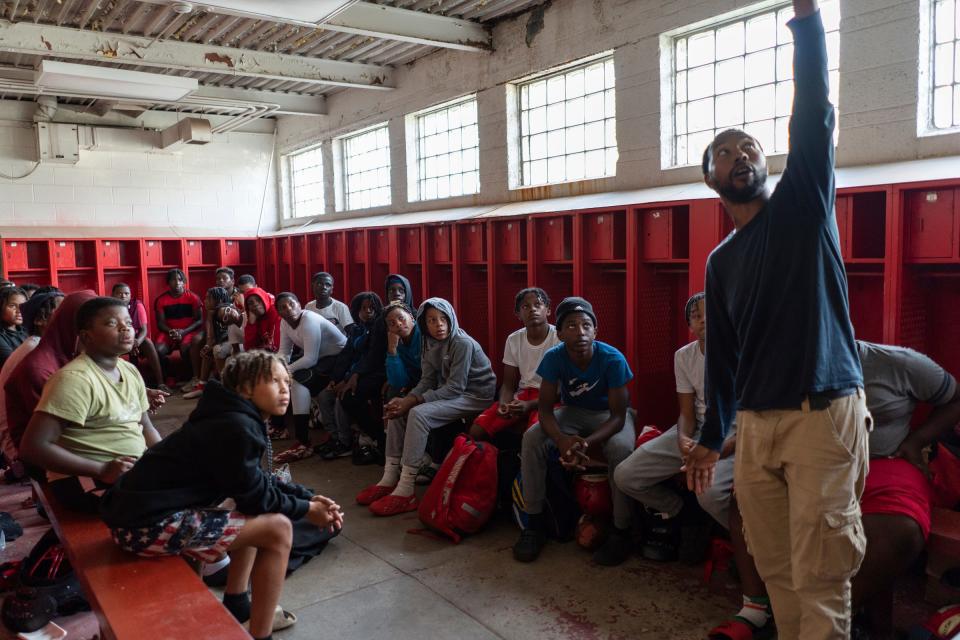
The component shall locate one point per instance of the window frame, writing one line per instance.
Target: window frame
(412, 126)
(926, 80)
(341, 168)
(289, 182)
(669, 72)
(515, 120)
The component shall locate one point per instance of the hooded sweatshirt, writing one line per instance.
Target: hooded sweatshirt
(57, 347)
(403, 368)
(374, 360)
(265, 332)
(359, 338)
(215, 455)
(455, 366)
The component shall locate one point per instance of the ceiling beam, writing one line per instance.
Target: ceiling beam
(76, 44)
(393, 23)
(420, 27)
(290, 104)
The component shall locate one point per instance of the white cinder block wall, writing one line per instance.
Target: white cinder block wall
(878, 92)
(224, 188)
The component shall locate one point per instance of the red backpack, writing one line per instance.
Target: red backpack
(463, 494)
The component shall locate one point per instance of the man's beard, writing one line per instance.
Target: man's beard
(748, 192)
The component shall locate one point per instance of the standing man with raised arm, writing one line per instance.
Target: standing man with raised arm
(781, 359)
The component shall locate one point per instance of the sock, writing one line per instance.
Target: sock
(755, 611)
(408, 477)
(211, 568)
(301, 425)
(238, 604)
(391, 473)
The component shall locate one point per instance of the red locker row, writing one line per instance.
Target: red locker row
(98, 264)
(637, 264)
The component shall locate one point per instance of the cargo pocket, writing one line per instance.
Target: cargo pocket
(842, 544)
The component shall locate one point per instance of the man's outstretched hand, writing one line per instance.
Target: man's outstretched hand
(699, 466)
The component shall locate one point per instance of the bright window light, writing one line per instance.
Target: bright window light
(366, 169)
(306, 182)
(944, 72)
(739, 74)
(448, 151)
(568, 125)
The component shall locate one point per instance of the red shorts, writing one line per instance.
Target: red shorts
(493, 423)
(894, 486)
(164, 338)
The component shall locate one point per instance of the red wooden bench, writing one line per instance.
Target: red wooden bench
(133, 597)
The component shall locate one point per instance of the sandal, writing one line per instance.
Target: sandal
(425, 475)
(373, 493)
(392, 505)
(281, 620)
(294, 453)
(740, 629)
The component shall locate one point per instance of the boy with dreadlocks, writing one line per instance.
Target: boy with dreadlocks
(172, 501)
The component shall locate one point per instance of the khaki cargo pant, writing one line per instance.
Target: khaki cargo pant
(799, 475)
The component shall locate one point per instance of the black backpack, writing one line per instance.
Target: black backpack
(48, 588)
(560, 509)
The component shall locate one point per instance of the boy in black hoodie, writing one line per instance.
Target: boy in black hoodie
(172, 501)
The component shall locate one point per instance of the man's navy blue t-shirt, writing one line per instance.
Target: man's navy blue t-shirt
(778, 325)
(586, 388)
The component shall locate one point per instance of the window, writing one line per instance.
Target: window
(366, 168)
(944, 70)
(306, 182)
(568, 125)
(447, 151)
(739, 73)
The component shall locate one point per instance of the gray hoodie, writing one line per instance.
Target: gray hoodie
(455, 366)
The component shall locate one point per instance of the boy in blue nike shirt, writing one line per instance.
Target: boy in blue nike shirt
(590, 377)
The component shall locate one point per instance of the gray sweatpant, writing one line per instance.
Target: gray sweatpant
(335, 419)
(407, 437)
(582, 422)
(641, 476)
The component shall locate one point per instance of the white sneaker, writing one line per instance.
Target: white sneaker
(190, 385)
(196, 392)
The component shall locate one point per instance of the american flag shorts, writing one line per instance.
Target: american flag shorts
(203, 534)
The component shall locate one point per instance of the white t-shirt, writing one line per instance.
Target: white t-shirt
(688, 369)
(336, 312)
(519, 353)
(315, 335)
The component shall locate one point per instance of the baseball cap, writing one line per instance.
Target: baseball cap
(574, 304)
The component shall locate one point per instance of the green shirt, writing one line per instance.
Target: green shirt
(104, 415)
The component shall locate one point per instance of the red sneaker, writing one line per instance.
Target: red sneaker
(391, 505)
(373, 493)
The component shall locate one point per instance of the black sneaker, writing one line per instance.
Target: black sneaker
(336, 450)
(615, 549)
(528, 547)
(364, 455)
(661, 537)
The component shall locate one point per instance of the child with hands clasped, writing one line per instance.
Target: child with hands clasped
(177, 498)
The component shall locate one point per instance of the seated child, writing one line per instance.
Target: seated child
(143, 346)
(179, 313)
(36, 312)
(29, 289)
(216, 338)
(521, 356)
(262, 330)
(591, 377)
(321, 343)
(224, 278)
(12, 334)
(172, 501)
(457, 383)
(345, 397)
(641, 475)
(92, 419)
(404, 343)
(245, 282)
(326, 305)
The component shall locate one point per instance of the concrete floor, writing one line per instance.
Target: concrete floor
(376, 580)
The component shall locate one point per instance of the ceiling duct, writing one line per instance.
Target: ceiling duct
(187, 131)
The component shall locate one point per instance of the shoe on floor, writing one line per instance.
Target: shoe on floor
(529, 546)
(391, 505)
(190, 385)
(364, 455)
(614, 550)
(425, 475)
(336, 449)
(661, 537)
(294, 453)
(373, 493)
(196, 392)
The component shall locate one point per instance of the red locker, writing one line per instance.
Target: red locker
(556, 235)
(410, 245)
(193, 253)
(929, 224)
(512, 241)
(152, 253)
(473, 243)
(440, 237)
(605, 235)
(15, 255)
(380, 245)
(64, 254)
(657, 234)
(843, 226)
(231, 252)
